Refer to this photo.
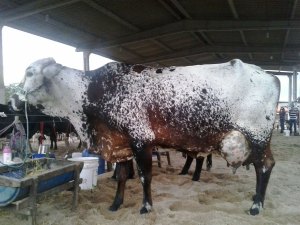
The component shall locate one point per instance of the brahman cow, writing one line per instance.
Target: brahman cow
(123, 110)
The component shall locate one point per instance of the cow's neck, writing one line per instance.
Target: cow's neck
(69, 88)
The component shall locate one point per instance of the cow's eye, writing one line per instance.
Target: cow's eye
(29, 74)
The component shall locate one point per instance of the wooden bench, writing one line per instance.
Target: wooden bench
(161, 152)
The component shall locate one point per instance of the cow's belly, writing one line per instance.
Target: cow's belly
(232, 145)
(112, 145)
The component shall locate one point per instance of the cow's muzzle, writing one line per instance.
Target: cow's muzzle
(17, 102)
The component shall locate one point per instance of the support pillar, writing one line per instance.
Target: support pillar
(290, 89)
(295, 85)
(2, 87)
(86, 61)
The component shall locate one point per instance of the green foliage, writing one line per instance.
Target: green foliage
(10, 90)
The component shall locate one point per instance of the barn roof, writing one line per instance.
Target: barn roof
(167, 32)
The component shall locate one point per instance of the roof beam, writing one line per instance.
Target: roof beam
(280, 73)
(236, 16)
(32, 8)
(118, 19)
(287, 34)
(38, 16)
(217, 49)
(183, 13)
(111, 15)
(168, 8)
(233, 9)
(195, 26)
(181, 9)
(186, 15)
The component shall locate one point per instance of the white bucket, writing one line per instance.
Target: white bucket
(76, 154)
(89, 171)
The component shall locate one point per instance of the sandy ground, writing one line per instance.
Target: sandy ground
(219, 198)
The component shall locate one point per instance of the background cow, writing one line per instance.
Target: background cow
(36, 121)
(125, 110)
(198, 168)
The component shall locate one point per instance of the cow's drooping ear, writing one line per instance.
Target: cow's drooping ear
(36, 68)
(52, 70)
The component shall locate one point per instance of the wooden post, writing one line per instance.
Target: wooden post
(33, 200)
(2, 87)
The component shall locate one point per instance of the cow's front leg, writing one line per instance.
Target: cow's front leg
(121, 175)
(263, 171)
(143, 157)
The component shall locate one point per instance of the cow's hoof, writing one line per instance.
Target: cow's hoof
(182, 173)
(114, 208)
(254, 212)
(255, 208)
(144, 210)
(195, 178)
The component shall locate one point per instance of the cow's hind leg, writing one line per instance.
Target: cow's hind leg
(198, 169)
(143, 157)
(263, 171)
(121, 175)
(209, 162)
(130, 170)
(187, 165)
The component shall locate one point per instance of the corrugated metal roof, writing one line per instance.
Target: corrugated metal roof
(167, 32)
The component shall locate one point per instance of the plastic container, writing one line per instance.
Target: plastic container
(76, 154)
(43, 149)
(89, 171)
(7, 154)
(101, 167)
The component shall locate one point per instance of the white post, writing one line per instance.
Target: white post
(2, 87)
(290, 89)
(295, 85)
(86, 60)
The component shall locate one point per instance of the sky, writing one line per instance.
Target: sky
(20, 49)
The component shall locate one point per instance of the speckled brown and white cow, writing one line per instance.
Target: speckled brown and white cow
(124, 110)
